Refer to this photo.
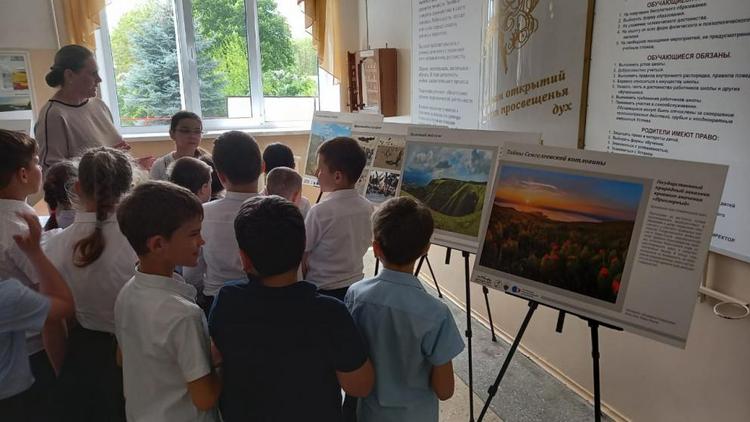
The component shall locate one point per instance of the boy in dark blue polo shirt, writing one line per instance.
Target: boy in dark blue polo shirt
(287, 351)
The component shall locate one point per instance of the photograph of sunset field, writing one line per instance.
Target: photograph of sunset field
(570, 231)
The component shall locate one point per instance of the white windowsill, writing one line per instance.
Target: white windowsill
(297, 128)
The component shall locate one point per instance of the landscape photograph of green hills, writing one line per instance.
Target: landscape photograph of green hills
(451, 181)
(565, 230)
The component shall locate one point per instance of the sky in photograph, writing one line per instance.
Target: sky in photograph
(429, 162)
(567, 197)
(328, 130)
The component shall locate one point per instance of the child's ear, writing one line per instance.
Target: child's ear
(22, 174)
(155, 244)
(222, 178)
(247, 263)
(295, 197)
(377, 250)
(205, 191)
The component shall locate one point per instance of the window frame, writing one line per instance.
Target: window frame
(188, 74)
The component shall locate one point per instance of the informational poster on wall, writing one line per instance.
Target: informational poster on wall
(446, 45)
(15, 90)
(384, 145)
(450, 171)
(672, 79)
(602, 235)
(326, 126)
(533, 59)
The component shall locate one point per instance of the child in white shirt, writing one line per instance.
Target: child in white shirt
(168, 372)
(96, 260)
(21, 176)
(279, 155)
(186, 130)
(339, 230)
(238, 165)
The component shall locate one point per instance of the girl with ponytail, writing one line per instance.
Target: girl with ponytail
(96, 260)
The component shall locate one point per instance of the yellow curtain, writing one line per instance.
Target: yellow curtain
(81, 20)
(323, 23)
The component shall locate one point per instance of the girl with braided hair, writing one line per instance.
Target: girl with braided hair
(57, 186)
(96, 260)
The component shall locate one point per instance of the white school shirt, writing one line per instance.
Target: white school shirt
(219, 260)
(95, 287)
(339, 232)
(163, 336)
(161, 165)
(13, 262)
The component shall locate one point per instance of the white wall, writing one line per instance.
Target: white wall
(390, 23)
(27, 24)
(641, 379)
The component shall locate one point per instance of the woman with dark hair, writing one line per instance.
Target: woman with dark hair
(75, 119)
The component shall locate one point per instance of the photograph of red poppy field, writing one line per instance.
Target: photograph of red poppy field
(565, 230)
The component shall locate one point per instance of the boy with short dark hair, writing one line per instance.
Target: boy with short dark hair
(284, 182)
(287, 349)
(21, 176)
(192, 174)
(339, 230)
(162, 333)
(410, 334)
(279, 155)
(238, 165)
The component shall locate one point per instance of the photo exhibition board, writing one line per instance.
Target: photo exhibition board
(615, 238)
(450, 171)
(16, 99)
(326, 126)
(445, 55)
(672, 80)
(533, 68)
(384, 144)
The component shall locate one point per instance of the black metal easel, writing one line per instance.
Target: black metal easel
(422, 260)
(485, 290)
(593, 325)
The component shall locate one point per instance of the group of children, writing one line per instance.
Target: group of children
(169, 300)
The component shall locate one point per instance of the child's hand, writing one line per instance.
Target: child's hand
(29, 244)
(122, 146)
(146, 162)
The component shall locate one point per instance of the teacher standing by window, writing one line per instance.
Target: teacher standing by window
(74, 119)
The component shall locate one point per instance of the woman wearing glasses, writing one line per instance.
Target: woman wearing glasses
(75, 119)
(185, 129)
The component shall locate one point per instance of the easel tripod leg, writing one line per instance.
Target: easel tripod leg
(493, 388)
(432, 273)
(468, 335)
(595, 358)
(419, 265)
(486, 292)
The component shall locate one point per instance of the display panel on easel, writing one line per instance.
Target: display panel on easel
(613, 238)
(384, 146)
(450, 170)
(326, 126)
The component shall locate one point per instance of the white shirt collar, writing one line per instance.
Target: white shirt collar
(239, 196)
(8, 205)
(90, 217)
(174, 284)
(342, 193)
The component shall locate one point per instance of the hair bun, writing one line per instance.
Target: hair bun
(54, 77)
